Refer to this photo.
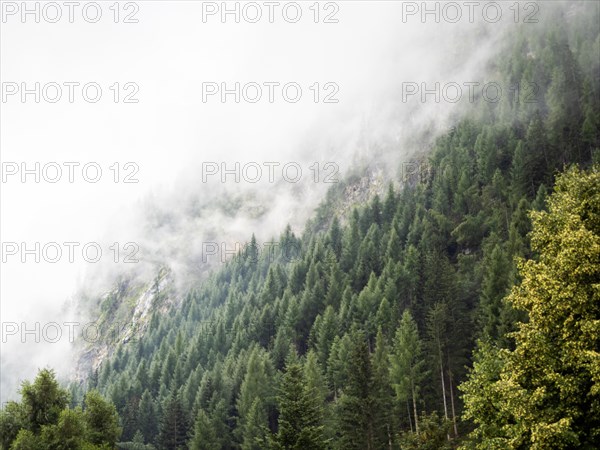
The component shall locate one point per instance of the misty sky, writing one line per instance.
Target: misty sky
(170, 131)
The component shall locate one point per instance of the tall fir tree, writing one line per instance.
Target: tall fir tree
(356, 418)
(407, 369)
(174, 424)
(147, 418)
(300, 413)
(205, 436)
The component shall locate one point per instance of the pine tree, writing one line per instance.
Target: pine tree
(255, 399)
(384, 318)
(301, 414)
(255, 430)
(351, 242)
(147, 417)
(318, 390)
(325, 334)
(27, 440)
(12, 419)
(538, 152)
(337, 363)
(520, 184)
(437, 334)
(389, 205)
(382, 394)
(256, 382)
(130, 418)
(407, 364)
(315, 380)
(335, 237)
(205, 436)
(101, 419)
(494, 287)
(174, 425)
(355, 409)
(43, 400)
(67, 434)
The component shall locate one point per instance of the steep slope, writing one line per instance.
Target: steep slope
(441, 246)
(357, 333)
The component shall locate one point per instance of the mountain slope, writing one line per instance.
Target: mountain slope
(375, 310)
(441, 247)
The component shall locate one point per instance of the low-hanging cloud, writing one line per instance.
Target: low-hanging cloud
(171, 134)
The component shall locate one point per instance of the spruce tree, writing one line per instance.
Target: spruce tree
(147, 417)
(300, 413)
(355, 410)
(174, 426)
(43, 400)
(205, 436)
(255, 400)
(255, 431)
(407, 369)
(382, 394)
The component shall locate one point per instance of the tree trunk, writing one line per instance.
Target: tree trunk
(444, 395)
(414, 396)
(452, 404)
(409, 415)
(442, 378)
(443, 384)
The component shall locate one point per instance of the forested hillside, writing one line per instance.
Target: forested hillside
(359, 333)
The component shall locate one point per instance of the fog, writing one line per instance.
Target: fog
(171, 134)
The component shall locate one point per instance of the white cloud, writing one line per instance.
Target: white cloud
(170, 132)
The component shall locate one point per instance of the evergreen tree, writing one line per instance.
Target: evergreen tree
(174, 425)
(27, 440)
(318, 391)
(147, 417)
(255, 430)
(335, 237)
(338, 363)
(407, 364)
(44, 419)
(43, 400)
(325, 334)
(382, 395)
(67, 434)
(315, 380)
(12, 419)
(301, 414)
(205, 436)
(101, 419)
(437, 334)
(130, 418)
(494, 287)
(389, 205)
(255, 399)
(355, 409)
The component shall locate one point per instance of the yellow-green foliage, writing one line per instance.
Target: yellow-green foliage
(546, 393)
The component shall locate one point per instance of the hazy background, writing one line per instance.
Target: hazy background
(170, 132)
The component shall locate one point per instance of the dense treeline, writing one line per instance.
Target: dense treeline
(357, 334)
